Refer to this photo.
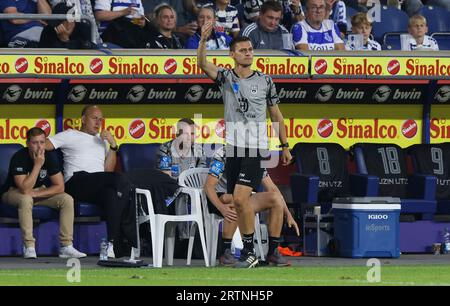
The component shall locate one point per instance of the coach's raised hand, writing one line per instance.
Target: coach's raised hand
(209, 68)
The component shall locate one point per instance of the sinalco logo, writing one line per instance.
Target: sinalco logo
(443, 94)
(77, 93)
(136, 93)
(12, 93)
(324, 93)
(382, 94)
(194, 93)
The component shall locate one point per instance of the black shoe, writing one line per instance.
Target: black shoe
(247, 261)
(227, 259)
(277, 260)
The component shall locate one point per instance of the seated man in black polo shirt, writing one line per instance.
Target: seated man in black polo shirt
(35, 178)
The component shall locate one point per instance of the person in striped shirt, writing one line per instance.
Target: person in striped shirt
(226, 17)
(317, 32)
(338, 13)
(418, 40)
(362, 25)
(108, 10)
(217, 41)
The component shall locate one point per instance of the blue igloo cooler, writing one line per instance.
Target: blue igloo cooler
(367, 226)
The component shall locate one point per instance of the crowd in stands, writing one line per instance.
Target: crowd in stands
(175, 24)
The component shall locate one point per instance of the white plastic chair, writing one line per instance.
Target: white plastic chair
(196, 178)
(162, 237)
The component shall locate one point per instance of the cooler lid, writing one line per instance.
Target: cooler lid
(367, 200)
(367, 206)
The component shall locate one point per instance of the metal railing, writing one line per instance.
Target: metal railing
(89, 19)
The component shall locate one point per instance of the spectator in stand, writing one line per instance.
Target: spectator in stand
(22, 33)
(362, 25)
(165, 21)
(267, 33)
(252, 9)
(186, 20)
(123, 23)
(317, 32)
(66, 34)
(292, 11)
(83, 7)
(226, 18)
(418, 40)
(218, 39)
(338, 13)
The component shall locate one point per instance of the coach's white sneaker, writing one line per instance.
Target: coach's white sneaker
(111, 250)
(70, 252)
(29, 253)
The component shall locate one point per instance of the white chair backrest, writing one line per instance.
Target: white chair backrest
(149, 204)
(194, 178)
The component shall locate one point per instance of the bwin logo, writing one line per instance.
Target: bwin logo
(77, 93)
(378, 217)
(443, 94)
(382, 93)
(194, 93)
(324, 93)
(136, 93)
(12, 93)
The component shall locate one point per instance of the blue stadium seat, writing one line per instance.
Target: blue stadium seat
(322, 174)
(443, 40)
(391, 41)
(438, 19)
(135, 155)
(392, 20)
(6, 152)
(434, 159)
(388, 162)
(7, 211)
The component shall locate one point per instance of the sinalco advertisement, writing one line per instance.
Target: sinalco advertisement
(408, 67)
(440, 124)
(344, 124)
(16, 120)
(110, 66)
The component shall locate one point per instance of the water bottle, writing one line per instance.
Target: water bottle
(446, 241)
(165, 162)
(175, 170)
(104, 250)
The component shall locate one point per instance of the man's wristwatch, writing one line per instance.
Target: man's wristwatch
(284, 145)
(114, 148)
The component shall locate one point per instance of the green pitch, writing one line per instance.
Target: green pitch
(261, 276)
